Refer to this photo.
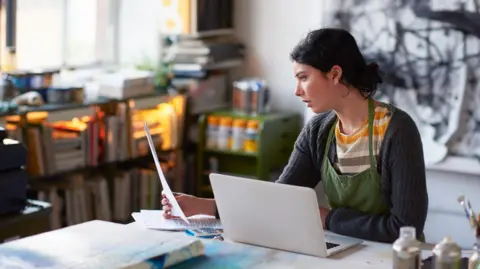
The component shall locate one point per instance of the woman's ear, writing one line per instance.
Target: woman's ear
(335, 74)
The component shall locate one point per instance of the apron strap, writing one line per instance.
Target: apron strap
(329, 140)
(371, 118)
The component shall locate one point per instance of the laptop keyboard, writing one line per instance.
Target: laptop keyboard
(331, 245)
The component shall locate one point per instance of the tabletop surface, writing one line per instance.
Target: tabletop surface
(88, 244)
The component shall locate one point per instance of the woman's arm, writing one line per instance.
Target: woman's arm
(402, 165)
(301, 169)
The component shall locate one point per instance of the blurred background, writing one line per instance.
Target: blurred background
(213, 81)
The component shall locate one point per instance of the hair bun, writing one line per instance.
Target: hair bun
(370, 78)
(372, 66)
(372, 71)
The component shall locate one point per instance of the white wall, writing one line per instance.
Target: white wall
(270, 29)
(138, 36)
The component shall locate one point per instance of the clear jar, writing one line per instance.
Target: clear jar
(224, 132)
(212, 132)
(252, 132)
(238, 134)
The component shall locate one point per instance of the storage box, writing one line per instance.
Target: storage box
(126, 84)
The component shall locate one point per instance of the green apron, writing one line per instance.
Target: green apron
(362, 191)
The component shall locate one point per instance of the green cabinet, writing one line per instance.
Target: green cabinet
(277, 133)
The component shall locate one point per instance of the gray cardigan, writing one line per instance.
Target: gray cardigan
(400, 164)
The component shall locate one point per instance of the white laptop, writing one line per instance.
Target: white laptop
(274, 215)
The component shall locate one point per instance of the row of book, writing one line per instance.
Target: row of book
(88, 141)
(80, 199)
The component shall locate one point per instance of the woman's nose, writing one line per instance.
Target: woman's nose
(298, 91)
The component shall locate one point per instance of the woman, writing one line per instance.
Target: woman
(367, 154)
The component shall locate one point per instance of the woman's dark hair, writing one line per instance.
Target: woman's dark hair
(324, 48)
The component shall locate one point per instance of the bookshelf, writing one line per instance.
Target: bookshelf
(91, 160)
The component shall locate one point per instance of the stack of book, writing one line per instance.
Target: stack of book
(56, 147)
(65, 145)
(193, 57)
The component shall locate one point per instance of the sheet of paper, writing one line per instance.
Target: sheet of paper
(153, 219)
(176, 209)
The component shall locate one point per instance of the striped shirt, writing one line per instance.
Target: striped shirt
(353, 150)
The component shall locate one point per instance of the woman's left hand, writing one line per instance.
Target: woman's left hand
(323, 215)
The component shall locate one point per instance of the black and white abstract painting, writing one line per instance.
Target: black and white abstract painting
(429, 51)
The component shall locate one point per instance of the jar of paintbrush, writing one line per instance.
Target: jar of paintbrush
(474, 220)
(474, 261)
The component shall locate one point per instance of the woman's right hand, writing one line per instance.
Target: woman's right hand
(189, 204)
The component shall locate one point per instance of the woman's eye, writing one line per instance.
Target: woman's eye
(302, 78)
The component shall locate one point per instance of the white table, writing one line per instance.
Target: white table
(93, 241)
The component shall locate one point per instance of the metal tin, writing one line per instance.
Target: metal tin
(473, 262)
(47, 77)
(406, 250)
(447, 255)
(69, 95)
(251, 96)
(7, 89)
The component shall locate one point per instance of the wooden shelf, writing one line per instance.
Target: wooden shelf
(121, 165)
(233, 153)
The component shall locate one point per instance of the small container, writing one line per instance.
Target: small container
(212, 132)
(447, 255)
(20, 79)
(7, 90)
(36, 81)
(65, 95)
(473, 262)
(47, 78)
(251, 141)
(251, 96)
(224, 132)
(406, 250)
(238, 134)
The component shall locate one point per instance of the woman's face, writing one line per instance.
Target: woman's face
(318, 90)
